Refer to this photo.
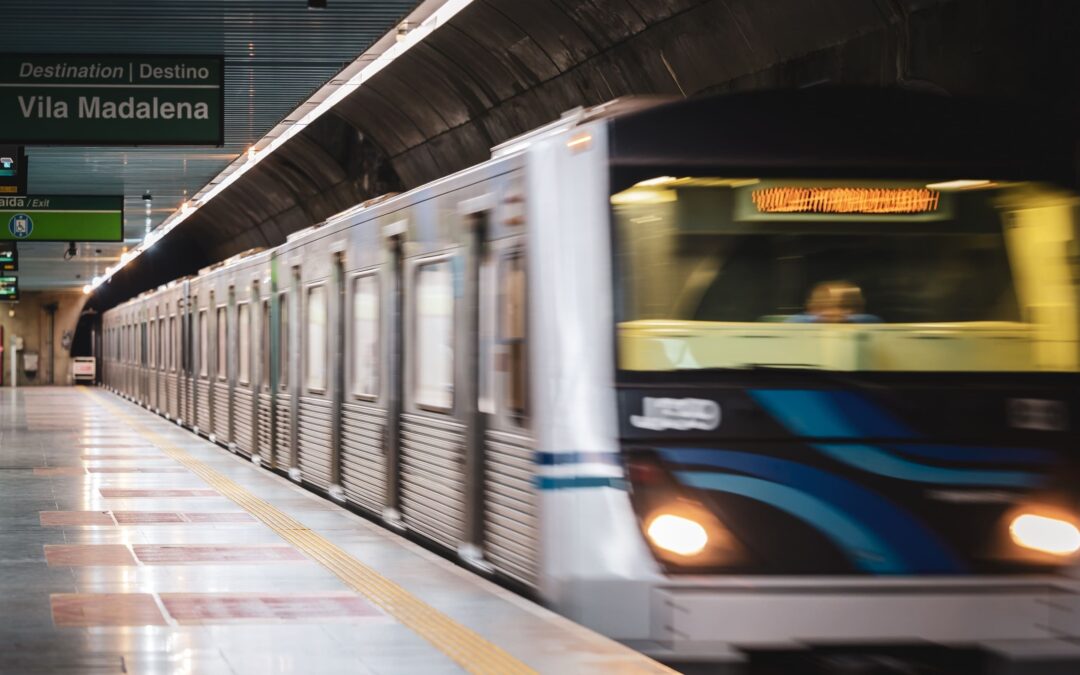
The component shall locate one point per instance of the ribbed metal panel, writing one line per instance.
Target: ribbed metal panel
(433, 478)
(363, 461)
(242, 402)
(172, 395)
(314, 440)
(264, 425)
(510, 506)
(202, 405)
(277, 53)
(221, 412)
(284, 427)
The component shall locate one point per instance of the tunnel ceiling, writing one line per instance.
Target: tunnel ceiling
(502, 67)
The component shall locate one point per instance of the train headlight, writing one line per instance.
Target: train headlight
(677, 534)
(1045, 534)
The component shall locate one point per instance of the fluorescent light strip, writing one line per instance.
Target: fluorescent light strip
(247, 161)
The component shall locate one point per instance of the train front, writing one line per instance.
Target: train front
(847, 353)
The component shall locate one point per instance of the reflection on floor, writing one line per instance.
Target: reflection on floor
(116, 556)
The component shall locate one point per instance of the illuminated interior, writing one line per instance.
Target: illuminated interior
(851, 275)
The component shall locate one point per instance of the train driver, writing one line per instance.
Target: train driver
(835, 302)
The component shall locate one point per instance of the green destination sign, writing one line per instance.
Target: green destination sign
(111, 100)
(66, 218)
(9, 288)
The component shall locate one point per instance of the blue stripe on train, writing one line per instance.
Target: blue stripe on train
(921, 549)
(574, 482)
(848, 415)
(865, 549)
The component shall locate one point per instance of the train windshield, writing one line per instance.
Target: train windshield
(845, 275)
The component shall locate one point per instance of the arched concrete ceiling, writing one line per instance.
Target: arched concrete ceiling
(503, 67)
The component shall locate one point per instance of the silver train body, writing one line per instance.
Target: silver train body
(443, 361)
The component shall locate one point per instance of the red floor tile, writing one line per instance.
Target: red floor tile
(75, 518)
(153, 554)
(59, 471)
(139, 517)
(105, 609)
(196, 608)
(125, 469)
(87, 555)
(124, 493)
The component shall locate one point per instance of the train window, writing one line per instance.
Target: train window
(243, 338)
(264, 343)
(365, 335)
(204, 340)
(315, 347)
(150, 344)
(434, 336)
(283, 342)
(222, 345)
(161, 335)
(512, 326)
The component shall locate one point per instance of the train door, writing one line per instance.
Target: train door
(364, 389)
(223, 360)
(289, 386)
(204, 358)
(244, 414)
(316, 417)
(509, 504)
(186, 355)
(171, 378)
(433, 434)
(265, 392)
(151, 361)
(142, 366)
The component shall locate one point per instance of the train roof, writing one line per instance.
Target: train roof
(845, 132)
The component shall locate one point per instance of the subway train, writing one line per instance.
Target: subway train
(709, 376)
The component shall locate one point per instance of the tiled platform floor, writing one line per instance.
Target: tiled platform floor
(116, 558)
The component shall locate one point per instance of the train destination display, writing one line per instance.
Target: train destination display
(112, 100)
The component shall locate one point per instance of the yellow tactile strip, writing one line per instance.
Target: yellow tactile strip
(465, 647)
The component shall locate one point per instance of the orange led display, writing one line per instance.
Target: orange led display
(845, 200)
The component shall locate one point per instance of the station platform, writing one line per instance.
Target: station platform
(129, 545)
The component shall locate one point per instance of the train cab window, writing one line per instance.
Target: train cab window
(434, 336)
(512, 332)
(204, 341)
(283, 342)
(243, 339)
(365, 336)
(222, 344)
(827, 275)
(264, 344)
(315, 342)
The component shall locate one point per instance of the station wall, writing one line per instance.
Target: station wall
(29, 319)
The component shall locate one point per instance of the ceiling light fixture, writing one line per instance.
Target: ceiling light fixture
(336, 93)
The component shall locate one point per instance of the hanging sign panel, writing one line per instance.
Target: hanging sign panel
(9, 288)
(12, 170)
(58, 99)
(9, 256)
(65, 218)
